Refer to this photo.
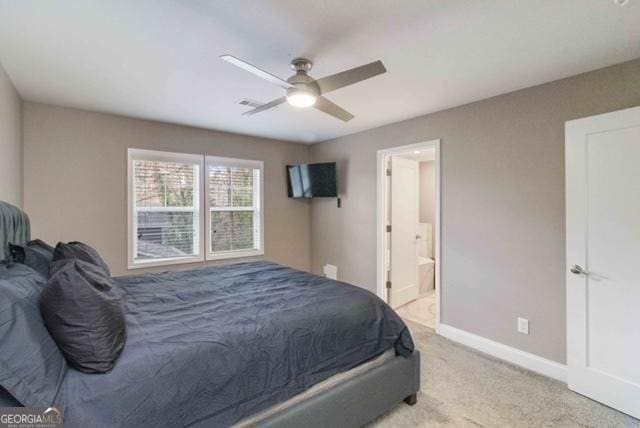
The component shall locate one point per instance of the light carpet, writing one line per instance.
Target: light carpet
(465, 388)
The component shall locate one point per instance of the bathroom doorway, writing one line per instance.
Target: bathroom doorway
(408, 231)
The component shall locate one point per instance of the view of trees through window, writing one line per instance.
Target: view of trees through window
(167, 215)
(172, 191)
(231, 193)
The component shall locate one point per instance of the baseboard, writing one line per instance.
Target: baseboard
(507, 353)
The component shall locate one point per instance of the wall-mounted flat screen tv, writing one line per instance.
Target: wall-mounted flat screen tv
(312, 180)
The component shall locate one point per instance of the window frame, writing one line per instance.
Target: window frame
(154, 155)
(240, 163)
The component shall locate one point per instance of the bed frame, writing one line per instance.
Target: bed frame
(356, 401)
(352, 403)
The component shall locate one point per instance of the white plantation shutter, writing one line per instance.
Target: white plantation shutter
(164, 207)
(234, 200)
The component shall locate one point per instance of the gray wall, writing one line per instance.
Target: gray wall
(75, 165)
(503, 231)
(10, 142)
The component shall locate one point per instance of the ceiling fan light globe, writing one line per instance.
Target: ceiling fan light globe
(301, 99)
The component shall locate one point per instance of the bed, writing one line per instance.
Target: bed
(247, 344)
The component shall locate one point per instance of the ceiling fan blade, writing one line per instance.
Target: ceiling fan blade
(332, 109)
(266, 106)
(349, 77)
(256, 71)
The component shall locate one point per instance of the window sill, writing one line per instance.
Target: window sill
(164, 262)
(185, 260)
(235, 254)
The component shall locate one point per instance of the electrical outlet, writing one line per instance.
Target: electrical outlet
(523, 325)
(330, 271)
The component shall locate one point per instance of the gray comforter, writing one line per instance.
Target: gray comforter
(210, 346)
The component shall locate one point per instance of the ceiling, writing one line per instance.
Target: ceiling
(158, 59)
(422, 155)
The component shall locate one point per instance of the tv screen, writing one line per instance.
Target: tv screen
(312, 180)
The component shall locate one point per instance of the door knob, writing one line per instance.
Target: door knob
(577, 270)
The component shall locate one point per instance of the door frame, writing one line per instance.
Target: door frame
(381, 209)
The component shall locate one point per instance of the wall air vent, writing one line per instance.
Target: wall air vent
(249, 103)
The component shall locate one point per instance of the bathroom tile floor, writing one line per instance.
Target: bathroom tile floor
(421, 311)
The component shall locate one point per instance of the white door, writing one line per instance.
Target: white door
(404, 227)
(603, 258)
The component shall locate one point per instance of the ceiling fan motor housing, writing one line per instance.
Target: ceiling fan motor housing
(301, 64)
(301, 81)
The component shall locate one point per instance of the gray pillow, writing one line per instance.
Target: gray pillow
(83, 311)
(76, 250)
(31, 365)
(36, 254)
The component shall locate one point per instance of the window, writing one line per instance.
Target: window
(234, 208)
(170, 222)
(164, 208)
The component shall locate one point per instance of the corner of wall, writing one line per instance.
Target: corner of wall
(11, 141)
(21, 131)
(310, 218)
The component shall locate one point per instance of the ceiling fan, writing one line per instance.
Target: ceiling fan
(304, 91)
